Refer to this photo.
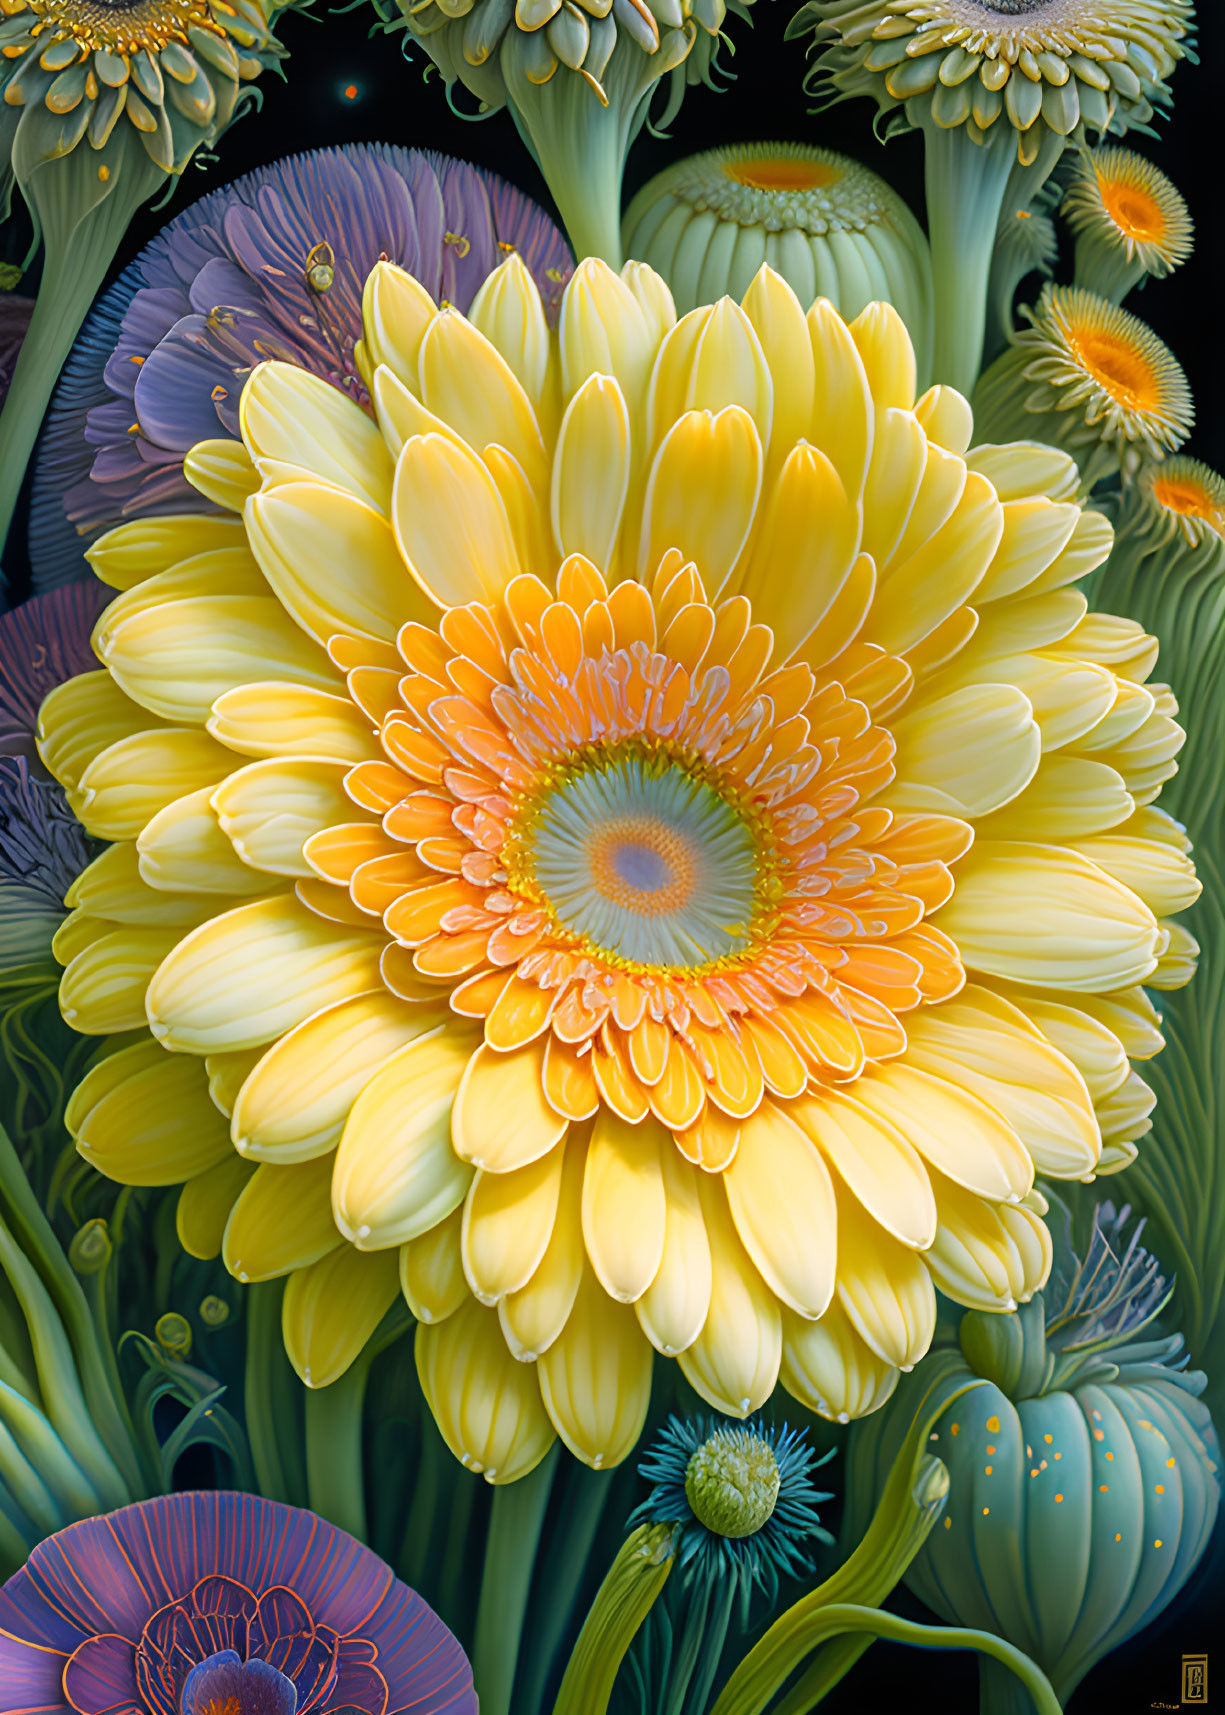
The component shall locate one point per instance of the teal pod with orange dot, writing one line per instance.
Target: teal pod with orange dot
(1084, 1476)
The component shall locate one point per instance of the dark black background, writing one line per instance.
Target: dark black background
(331, 52)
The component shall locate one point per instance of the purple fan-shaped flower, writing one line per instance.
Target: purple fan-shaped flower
(188, 1602)
(42, 643)
(271, 266)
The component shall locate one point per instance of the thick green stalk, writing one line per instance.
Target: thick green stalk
(416, 1545)
(583, 1506)
(965, 191)
(270, 1397)
(450, 1587)
(622, 1603)
(510, 1554)
(83, 218)
(713, 1639)
(335, 1469)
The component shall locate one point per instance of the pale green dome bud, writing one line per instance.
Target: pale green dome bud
(732, 1482)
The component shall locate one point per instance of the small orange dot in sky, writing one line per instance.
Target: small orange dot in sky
(1161, 1488)
(1058, 1497)
(350, 92)
(1118, 1536)
(986, 1510)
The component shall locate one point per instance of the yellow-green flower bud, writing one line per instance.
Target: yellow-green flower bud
(732, 1482)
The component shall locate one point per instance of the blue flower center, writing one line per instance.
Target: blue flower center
(224, 1684)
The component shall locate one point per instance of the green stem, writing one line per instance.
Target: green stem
(451, 1584)
(583, 1507)
(847, 1617)
(623, 1601)
(1001, 1691)
(271, 1399)
(83, 218)
(335, 1467)
(413, 1560)
(965, 191)
(510, 1554)
(713, 1639)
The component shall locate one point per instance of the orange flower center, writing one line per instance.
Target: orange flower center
(1134, 211)
(1117, 367)
(783, 173)
(1187, 498)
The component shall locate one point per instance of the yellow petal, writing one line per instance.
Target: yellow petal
(673, 1308)
(895, 475)
(803, 549)
(734, 1361)
(508, 311)
(227, 1073)
(450, 523)
(728, 368)
(396, 1173)
(332, 1308)
(179, 657)
(1045, 915)
(986, 1045)
(297, 1098)
(946, 418)
(140, 549)
(957, 1132)
(887, 355)
(432, 1271)
(884, 1288)
(486, 1405)
(1094, 1050)
(843, 412)
(1154, 871)
(702, 494)
(1036, 531)
(624, 1204)
(966, 753)
(604, 331)
(83, 717)
(777, 318)
(1068, 797)
(130, 781)
(1019, 469)
(396, 310)
(1068, 699)
(332, 560)
(268, 810)
(942, 572)
(875, 1161)
(653, 296)
(107, 1074)
(253, 973)
(595, 1379)
(112, 887)
(782, 1201)
(204, 1206)
(183, 848)
(501, 1118)
(974, 1260)
(148, 1122)
(468, 383)
(289, 415)
(591, 471)
(508, 1222)
(282, 1221)
(828, 1368)
(104, 987)
(275, 718)
(535, 1315)
(223, 471)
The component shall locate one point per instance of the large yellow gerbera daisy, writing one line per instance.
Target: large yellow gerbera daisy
(645, 847)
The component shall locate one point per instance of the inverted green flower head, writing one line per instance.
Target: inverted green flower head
(831, 227)
(1032, 65)
(171, 70)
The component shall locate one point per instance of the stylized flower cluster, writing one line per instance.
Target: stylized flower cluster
(1090, 377)
(171, 70)
(1034, 65)
(220, 1604)
(272, 265)
(832, 229)
(644, 844)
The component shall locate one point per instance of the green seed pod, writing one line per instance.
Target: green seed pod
(1084, 1478)
(91, 1248)
(174, 1334)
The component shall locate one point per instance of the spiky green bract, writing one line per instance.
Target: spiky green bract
(1084, 1474)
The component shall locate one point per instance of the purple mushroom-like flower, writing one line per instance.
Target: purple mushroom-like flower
(272, 265)
(42, 643)
(220, 1604)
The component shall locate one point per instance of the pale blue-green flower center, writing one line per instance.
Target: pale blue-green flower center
(646, 861)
